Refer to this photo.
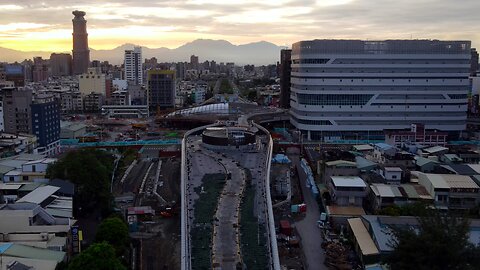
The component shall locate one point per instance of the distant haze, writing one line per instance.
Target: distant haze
(257, 53)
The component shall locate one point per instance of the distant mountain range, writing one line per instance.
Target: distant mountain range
(257, 53)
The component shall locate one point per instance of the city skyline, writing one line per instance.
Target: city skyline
(29, 25)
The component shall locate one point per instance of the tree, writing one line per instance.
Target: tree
(440, 242)
(90, 171)
(99, 256)
(114, 231)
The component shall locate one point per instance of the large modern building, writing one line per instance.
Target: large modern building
(344, 89)
(133, 66)
(81, 52)
(161, 89)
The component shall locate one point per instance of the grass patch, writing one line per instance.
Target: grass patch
(205, 207)
(252, 235)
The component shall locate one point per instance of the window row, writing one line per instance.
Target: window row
(310, 99)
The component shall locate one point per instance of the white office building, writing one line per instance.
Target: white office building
(133, 66)
(354, 89)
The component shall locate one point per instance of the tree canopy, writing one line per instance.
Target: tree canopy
(114, 231)
(90, 171)
(99, 256)
(440, 242)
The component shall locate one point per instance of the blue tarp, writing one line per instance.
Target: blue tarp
(281, 158)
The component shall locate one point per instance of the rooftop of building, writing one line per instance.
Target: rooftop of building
(348, 181)
(341, 163)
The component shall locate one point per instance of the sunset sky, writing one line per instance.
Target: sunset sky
(46, 26)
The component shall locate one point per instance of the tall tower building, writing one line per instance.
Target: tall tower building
(133, 66)
(81, 53)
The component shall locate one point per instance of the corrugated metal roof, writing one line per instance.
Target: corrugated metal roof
(4, 169)
(421, 161)
(384, 191)
(22, 251)
(39, 195)
(435, 149)
(10, 186)
(363, 238)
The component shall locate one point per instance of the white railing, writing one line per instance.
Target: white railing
(271, 222)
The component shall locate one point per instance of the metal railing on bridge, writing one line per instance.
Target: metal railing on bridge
(77, 143)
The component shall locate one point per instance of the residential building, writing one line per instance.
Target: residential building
(16, 110)
(46, 123)
(285, 71)
(120, 84)
(71, 102)
(391, 175)
(347, 190)
(60, 64)
(451, 191)
(161, 89)
(137, 95)
(133, 66)
(92, 81)
(119, 98)
(338, 168)
(389, 156)
(81, 52)
(93, 102)
(343, 89)
(383, 195)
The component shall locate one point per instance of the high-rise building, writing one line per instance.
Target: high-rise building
(285, 69)
(343, 89)
(16, 110)
(133, 66)
(61, 64)
(161, 89)
(46, 123)
(81, 53)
